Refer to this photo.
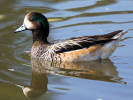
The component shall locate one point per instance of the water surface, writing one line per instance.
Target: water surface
(23, 78)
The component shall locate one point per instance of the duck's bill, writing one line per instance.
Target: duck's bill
(22, 28)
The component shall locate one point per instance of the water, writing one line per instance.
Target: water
(23, 78)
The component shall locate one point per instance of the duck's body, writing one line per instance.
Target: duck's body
(75, 49)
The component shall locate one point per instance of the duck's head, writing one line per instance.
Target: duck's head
(36, 22)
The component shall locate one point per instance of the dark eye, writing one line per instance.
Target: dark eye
(33, 18)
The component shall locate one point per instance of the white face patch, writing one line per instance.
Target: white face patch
(27, 23)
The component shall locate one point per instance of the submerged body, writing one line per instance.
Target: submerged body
(75, 49)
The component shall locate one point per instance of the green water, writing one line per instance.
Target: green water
(23, 78)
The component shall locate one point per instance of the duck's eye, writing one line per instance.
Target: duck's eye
(33, 18)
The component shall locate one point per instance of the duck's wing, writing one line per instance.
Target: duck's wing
(83, 42)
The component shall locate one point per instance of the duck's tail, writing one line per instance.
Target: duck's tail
(119, 35)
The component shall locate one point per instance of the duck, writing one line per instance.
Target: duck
(84, 48)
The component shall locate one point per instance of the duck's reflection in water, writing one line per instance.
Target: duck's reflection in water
(94, 70)
(38, 85)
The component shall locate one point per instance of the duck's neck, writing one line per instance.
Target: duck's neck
(40, 35)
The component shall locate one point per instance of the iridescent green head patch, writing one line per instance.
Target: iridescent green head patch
(40, 18)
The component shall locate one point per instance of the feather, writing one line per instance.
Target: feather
(83, 42)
